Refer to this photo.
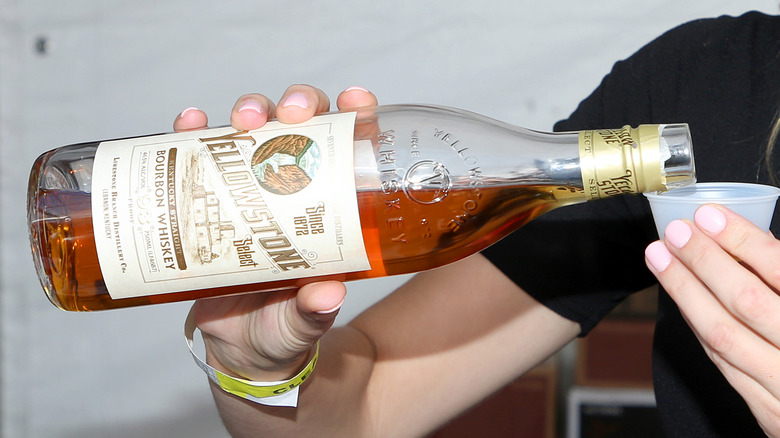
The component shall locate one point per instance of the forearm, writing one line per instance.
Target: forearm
(438, 345)
(449, 338)
(330, 401)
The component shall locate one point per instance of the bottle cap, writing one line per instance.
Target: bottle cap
(676, 150)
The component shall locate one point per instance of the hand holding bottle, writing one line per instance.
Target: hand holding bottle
(269, 336)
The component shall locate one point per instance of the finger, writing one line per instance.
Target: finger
(190, 119)
(300, 102)
(755, 247)
(355, 98)
(317, 304)
(322, 298)
(750, 294)
(221, 315)
(764, 405)
(697, 272)
(364, 103)
(251, 111)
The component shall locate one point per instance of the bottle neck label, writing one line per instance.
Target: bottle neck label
(620, 161)
(218, 207)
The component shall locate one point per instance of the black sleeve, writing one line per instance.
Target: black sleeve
(582, 260)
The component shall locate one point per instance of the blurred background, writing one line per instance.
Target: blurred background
(85, 70)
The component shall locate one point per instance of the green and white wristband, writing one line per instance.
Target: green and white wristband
(280, 393)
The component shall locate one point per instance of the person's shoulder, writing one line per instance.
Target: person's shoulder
(725, 27)
(726, 20)
(708, 39)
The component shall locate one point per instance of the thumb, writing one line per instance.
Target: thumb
(270, 331)
(317, 305)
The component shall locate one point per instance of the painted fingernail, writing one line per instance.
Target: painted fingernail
(356, 88)
(658, 256)
(251, 105)
(710, 219)
(678, 233)
(332, 309)
(186, 110)
(296, 99)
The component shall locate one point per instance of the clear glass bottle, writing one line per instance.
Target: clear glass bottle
(431, 185)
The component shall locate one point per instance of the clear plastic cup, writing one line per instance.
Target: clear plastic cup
(756, 202)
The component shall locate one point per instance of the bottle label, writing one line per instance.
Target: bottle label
(218, 207)
(619, 161)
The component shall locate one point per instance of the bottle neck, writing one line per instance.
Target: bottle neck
(432, 149)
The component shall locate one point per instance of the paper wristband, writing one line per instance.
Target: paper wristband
(280, 393)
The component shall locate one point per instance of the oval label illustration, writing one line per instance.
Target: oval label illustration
(286, 164)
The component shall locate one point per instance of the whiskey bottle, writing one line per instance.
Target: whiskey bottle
(384, 191)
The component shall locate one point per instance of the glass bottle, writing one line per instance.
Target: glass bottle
(384, 191)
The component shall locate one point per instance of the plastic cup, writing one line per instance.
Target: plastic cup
(755, 202)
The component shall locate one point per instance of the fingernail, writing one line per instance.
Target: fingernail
(186, 110)
(296, 99)
(710, 219)
(332, 309)
(678, 233)
(356, 88)
(658, 256)
(251, 105)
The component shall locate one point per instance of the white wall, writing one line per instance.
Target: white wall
(115, 68)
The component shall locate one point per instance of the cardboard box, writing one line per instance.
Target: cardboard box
(617, 352)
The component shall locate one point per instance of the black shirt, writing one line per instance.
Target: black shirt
(722, 77)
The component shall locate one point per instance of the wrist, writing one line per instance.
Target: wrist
(262, 371)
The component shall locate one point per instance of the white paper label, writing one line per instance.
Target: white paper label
(217, 207)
